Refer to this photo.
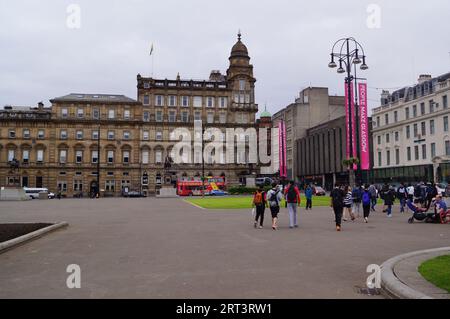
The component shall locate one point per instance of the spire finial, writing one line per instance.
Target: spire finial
(239, 35)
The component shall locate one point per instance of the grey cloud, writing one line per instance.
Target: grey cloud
(289, 42)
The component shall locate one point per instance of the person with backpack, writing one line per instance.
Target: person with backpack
(337, 204)
(356, 195)
(309, 195)
(366, 199)
(274, 197)
(260, 203)
(292, 200)
(402, 196)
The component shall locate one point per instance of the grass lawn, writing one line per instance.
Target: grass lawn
(244, 202)
(437, 271)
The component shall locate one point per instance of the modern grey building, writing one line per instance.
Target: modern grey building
(321, 153)
(313, 107)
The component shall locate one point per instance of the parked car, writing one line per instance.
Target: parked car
(133, 194)
(217, 193)
(263, 181)
(319, 191)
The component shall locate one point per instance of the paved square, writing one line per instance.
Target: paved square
(167, 248)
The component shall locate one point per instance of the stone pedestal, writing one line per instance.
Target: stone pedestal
(167, 192)
(13, 194)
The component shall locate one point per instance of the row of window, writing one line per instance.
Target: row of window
(242, 156)
(186, 101)
(184, 117)
(416, 132)
(79, 135)
(413, 112)
(26, 134)
(417, 155)
(95, 113)
(26, 156)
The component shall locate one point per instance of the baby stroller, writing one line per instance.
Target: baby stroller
(421, 215)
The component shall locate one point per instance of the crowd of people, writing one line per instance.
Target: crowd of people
(349, 203)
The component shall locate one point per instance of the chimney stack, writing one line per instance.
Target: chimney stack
(424, 77)
(385, 97)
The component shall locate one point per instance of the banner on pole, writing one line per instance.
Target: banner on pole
(351, 120)
(282, 149)
(364, 127)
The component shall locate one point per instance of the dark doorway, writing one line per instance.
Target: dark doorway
(93, 189)
(24, 181)
(39, 182)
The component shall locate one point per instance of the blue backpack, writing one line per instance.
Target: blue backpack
(366, 198)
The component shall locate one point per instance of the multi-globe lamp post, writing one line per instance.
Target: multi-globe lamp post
(347, 53)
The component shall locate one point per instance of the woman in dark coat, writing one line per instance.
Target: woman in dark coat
(389, 198)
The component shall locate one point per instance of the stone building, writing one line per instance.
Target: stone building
(411, 133)
(222, 101)
(58, 147)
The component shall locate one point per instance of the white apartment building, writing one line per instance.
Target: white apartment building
(411, 135)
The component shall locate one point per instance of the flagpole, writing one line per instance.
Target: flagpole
(153, 60)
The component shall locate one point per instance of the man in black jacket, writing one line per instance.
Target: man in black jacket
(337, 203)
(389, 198)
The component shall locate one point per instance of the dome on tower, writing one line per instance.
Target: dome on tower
(239, 49)
(265, 113)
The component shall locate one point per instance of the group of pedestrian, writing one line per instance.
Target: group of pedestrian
(347, 201)
(272, 200)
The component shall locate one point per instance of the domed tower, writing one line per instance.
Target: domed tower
(240, 79)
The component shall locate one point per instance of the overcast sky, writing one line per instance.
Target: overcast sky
(289, 43)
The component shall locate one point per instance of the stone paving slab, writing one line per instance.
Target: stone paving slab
(155, 248)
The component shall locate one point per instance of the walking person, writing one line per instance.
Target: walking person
(309, 195)
(337, 204)
(366, 203)
(356, 196)
(410, 192)
(292, 200)
(348, 203)
(373, 197)
(431, 193)
(274, 197)
(383, 192)
(389, 198)
(402, 196)
(260, 203)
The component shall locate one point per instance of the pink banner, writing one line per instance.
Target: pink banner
(282, 149)
(355, 147)
(353, 153)
(347, 124)
(364, 127)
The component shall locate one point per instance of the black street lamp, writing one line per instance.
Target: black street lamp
(98, 159)
(348, 51)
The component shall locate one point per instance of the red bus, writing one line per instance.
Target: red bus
(194, 187)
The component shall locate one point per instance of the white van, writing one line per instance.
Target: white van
(33, 193)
